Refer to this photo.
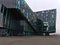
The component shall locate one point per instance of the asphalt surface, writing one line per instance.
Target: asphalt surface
(30, 40)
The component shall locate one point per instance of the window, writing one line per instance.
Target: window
(30, 13)
(46, 11)
(34, 16)
(52, 16)
(23, 10)
(42, 11)
(50, 21)
(5, 17)
(22, 1)
(46, 19)
(0, 7)
(45, 23)
(21, 23)
(37, 14)
(46, 14)
(18, 6)
(41, 14)
(52, 11)
(53, 21)
(27, 14)
(25, 4)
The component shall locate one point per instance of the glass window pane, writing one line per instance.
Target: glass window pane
(0, 7)
(22, 1)
(27, 14)
(18, 6)
(52, 16)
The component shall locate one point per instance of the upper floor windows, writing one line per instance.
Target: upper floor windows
(46, 14)
(0, 7)
(22, 1)
(18, 6)
(52, 16)
(42, 11)
(23, 10)
(26, 13)
(52, 12)
(30, 13)
(42, 15)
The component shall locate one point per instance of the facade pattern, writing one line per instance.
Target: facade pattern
(49, 19)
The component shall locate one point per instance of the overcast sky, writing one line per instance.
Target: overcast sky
(39, 5)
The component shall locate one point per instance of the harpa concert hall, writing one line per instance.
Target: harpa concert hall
(17, 19)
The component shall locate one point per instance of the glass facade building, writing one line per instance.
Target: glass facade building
(14, 23)
(49, 19)
(19, 20)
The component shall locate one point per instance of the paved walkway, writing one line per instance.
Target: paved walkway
(34, 40)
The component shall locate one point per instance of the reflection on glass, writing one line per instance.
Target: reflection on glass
(52, 11)
(0, 7)
(41, 14)
(52, 16)
(22, 1)
(18, 6)
(42, 11)
(23, 10)
(46, 14)
(46, 11)
(27, 14)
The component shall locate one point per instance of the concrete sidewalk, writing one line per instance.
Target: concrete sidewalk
(34, 40)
